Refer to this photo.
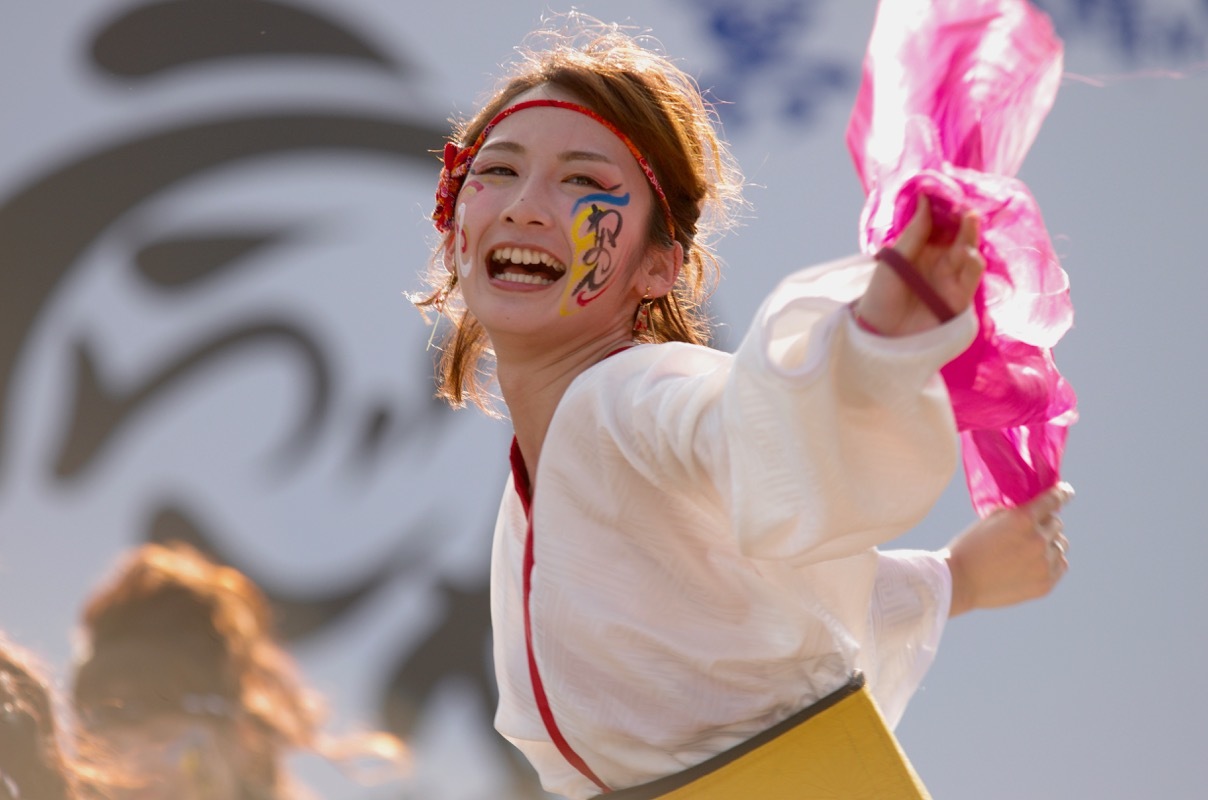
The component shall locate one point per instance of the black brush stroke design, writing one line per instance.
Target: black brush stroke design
(101, 411)
(48, 224)
(184, 262)
(157, 38)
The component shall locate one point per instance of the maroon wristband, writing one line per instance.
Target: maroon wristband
(907, 272)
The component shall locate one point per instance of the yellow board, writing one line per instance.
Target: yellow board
(844, 751)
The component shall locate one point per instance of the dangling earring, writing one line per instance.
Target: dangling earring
(641, 323)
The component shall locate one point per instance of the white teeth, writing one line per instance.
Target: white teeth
(522, 255)
(524, 277)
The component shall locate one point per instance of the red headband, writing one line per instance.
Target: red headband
(458, 161)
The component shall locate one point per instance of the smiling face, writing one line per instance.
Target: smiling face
(550, 227)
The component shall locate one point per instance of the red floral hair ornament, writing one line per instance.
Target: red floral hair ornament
(452, 175)
(459, 159)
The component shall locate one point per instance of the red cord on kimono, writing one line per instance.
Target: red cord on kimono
(520, 480)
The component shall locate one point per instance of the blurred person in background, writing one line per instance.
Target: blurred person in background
(180, 676)
(33, 764)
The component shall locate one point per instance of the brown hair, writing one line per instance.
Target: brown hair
(32, 763)
(659, 107)
(171, 623)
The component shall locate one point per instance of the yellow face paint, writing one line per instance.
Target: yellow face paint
(594, 231)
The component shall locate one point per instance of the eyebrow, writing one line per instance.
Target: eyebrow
(566, 155)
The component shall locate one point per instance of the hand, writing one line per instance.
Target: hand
(953, 271)
(1013, 555)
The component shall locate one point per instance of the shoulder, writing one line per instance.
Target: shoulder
(650, 378)
(643, 399)
(649, 362)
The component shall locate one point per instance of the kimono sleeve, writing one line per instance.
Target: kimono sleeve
(816, 438)
(837, 439)
(911, 599)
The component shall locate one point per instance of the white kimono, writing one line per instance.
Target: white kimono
(705, 529)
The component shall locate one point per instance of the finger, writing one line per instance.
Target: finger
(969, 234)
(1051, 527)
(972, 264)
(1058, 559)
(912, 238)
(972, 269)
(1049, 501)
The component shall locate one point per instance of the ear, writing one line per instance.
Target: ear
(661, 268)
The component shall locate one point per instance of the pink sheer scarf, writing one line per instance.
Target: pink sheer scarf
(953, 94)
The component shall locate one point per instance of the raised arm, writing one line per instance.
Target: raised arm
(952, 270)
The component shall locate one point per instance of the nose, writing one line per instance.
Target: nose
(529, 206)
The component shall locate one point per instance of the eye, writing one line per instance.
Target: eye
(585, 180)
(495, 169)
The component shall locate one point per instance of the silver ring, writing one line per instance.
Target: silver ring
(1060, 547)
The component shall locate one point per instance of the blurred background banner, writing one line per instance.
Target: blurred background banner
(210, 211)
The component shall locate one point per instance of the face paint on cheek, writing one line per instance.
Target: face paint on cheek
(464, 263)
(594, 231)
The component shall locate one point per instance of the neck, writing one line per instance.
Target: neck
(533, 381)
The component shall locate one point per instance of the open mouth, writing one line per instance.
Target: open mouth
(522, 265)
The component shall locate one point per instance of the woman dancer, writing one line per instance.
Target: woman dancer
(685, 559)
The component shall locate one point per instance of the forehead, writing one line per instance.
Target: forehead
(557, 131)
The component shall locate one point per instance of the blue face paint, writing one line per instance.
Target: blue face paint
(602, 197)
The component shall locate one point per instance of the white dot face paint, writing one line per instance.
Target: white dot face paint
(464, 263)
